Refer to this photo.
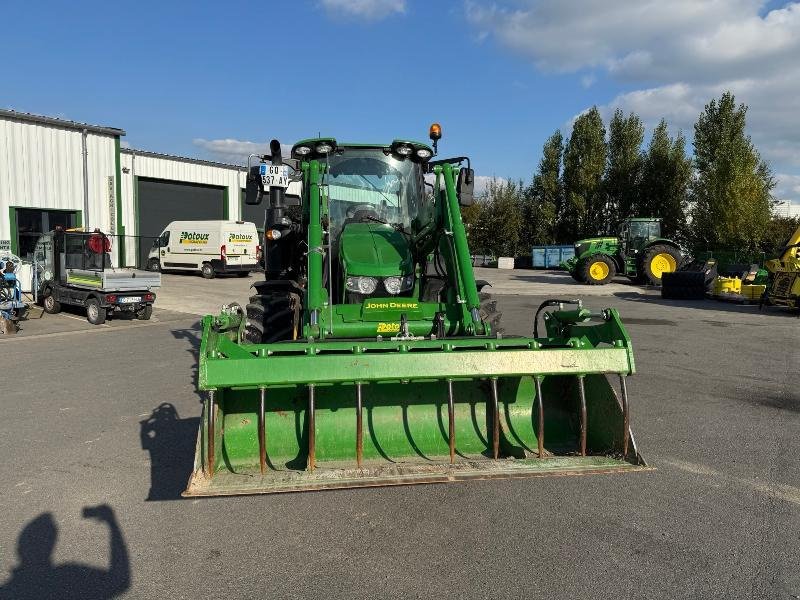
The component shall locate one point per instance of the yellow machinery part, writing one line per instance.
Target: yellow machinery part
(752, 291)
(727, 285)
(663, 263)
(598, 270)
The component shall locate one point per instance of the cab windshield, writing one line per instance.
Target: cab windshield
(645, 229)
(366, 185)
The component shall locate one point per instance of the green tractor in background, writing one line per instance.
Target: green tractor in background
(639, 253)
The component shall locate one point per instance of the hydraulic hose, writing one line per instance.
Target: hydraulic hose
(546, 304)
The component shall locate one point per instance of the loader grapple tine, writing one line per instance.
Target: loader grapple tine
(312, 442)
(582, 399)
(262, 443)
(359, 426)
(540, 406)
(451, 421)
(495, 408)
(626, 417)
(211, 430)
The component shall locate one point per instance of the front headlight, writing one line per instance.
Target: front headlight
(395, 285)
(362, 285)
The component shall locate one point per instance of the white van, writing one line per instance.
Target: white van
(210, 247)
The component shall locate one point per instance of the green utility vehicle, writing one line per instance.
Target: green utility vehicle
(639, 253)
(369, 356)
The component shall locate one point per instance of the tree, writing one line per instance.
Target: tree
(731, 192)
(664, 185)
(624, 171)
(494, 221)
(502, 217)
(778, 232)
(543, 198)
(584, 165)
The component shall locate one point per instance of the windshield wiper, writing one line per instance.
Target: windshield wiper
(377, 189)
(396, 226)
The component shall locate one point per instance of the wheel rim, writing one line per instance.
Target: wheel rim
(598, 270)
(92, 311)
(48, 302)
(663, 263)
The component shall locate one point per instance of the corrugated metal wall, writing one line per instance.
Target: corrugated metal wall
(173, 169)
(41, 166)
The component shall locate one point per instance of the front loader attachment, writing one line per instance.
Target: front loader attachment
(310, 415)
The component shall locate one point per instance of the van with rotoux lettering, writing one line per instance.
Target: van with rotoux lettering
(210, 247)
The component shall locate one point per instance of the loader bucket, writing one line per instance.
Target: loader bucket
(303, 415)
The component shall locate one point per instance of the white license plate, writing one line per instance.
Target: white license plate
(272, 175)
(130, 299)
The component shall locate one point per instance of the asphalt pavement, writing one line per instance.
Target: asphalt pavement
(108, 416)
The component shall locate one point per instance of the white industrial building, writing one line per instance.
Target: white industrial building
(59, 172)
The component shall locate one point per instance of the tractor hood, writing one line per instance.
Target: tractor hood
(374, 249)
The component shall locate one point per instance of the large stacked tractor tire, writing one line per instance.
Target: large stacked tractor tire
(596, 270)
(657, 260)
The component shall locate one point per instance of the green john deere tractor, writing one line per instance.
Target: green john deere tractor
(369, 356)
(639, 253)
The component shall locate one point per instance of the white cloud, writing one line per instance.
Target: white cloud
(788, 188)
(679, 54)
(233, 151)
(368, 10)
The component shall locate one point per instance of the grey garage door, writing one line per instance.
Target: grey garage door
(161, 202)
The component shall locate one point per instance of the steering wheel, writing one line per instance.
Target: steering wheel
(364, 209)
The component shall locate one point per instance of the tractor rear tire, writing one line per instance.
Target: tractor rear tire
(272, 317)
(656, 260)
(489, 314)
(597, 270)
(144, 313)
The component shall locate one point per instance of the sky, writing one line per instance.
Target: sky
(218, 80)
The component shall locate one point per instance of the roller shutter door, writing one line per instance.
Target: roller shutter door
(161, 202)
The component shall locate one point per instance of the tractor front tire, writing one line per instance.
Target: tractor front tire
(272, 317)
(597, 270)
(657, 260)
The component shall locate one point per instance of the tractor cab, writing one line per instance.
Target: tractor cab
(377, 213)
(638, 233)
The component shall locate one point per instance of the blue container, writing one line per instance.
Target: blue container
(566, 252)
(538, 256)
(549, 257)
(552, 257)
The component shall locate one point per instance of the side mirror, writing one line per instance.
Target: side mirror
(465, 187)
(252, 195)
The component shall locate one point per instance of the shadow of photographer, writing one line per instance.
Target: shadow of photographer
(36, 577)
(170, 441)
